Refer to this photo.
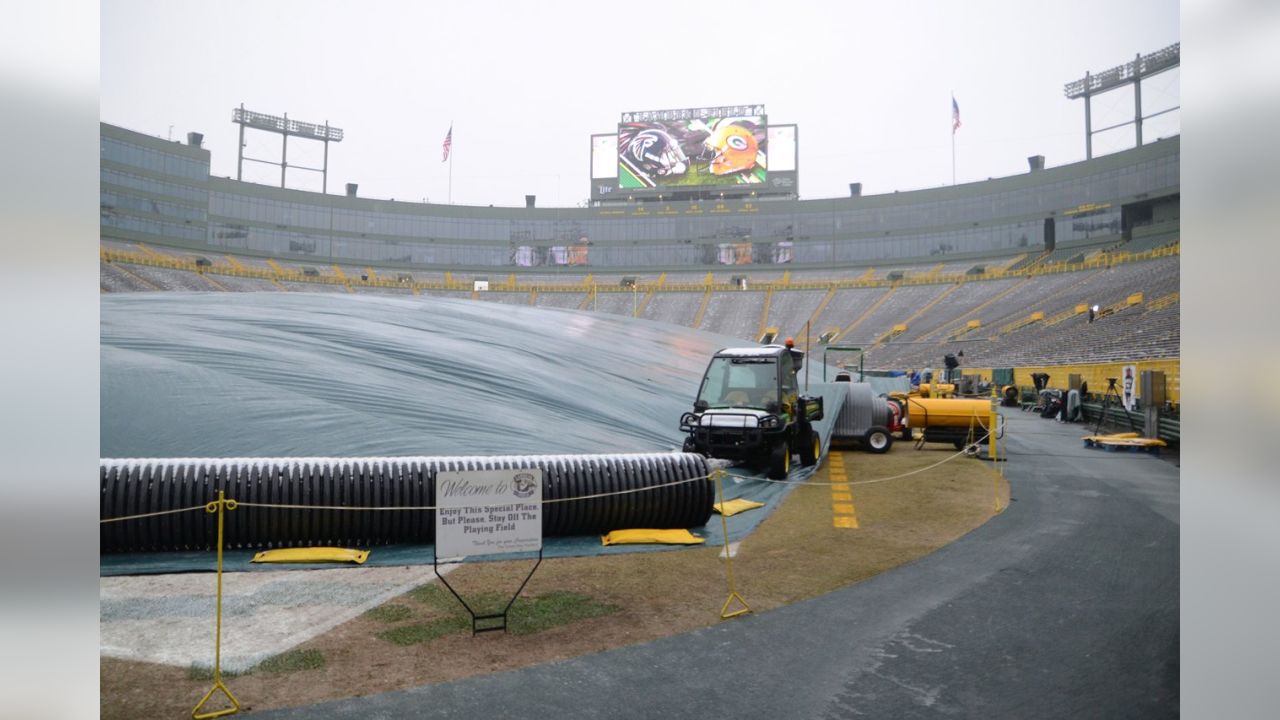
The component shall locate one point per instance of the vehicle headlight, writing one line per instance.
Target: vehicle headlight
(769, 422)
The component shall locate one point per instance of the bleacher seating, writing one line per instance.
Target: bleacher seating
(935, 300)
(174, 280)
(960, 303)
(901, 303)
(1126, 333)
(678, 308)
(1022, 301)
(378, 290)
(506, 298)
(245, 284)
(735, 313)
(306, 287)
(789, 310)
(615, 303)
(566, 300)
(115, 278)
(448, 293)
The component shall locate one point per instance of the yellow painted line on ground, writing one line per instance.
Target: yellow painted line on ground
(843, 513)
(845, 521)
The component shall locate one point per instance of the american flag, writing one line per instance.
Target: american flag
(448, 144)
(955, 117)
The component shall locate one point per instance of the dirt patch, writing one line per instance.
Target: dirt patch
(419, 638)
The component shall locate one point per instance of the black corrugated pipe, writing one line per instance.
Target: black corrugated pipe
(141, 486)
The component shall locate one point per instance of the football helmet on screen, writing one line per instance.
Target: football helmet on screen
(735, 148)
(655, 152)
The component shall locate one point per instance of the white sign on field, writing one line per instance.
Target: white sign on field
(482, 512)
(1128, 388)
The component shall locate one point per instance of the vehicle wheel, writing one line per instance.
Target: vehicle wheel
(878, 440)
(811, 450)
(958, 443)
(690, 446)
(780, 461)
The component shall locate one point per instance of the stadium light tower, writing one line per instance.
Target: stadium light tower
(285, 127)
(1142, 67)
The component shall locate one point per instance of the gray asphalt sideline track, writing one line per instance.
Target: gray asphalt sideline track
(1063, 606)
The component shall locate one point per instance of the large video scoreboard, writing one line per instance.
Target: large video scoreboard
(694, 153)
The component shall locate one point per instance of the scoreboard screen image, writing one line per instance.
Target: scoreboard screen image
(692, 148)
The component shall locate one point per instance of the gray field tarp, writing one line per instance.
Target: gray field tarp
(275, 374)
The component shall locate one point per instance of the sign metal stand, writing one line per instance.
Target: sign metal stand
(488, 512)
(476, 620)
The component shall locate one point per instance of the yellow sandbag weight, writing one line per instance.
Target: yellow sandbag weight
(652, 537)
(312, 555)
(737, 505)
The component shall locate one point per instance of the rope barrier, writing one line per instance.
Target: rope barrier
(338, 507)
(362, 508)
(222, 505)
(858, 482)
(595, 496)
(154, 514)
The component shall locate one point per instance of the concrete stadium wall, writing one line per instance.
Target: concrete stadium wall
(160, 192)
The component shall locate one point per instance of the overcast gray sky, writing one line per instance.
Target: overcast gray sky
(526, 84)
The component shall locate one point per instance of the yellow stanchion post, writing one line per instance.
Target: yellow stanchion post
(991, 434)
(725, 613)
(219, 506)
(995, 458)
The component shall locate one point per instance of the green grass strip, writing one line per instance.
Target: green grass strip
(292, 661)
(389, 613)
(423, 632)
(553, 609)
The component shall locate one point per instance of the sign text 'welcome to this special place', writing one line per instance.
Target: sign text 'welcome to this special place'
(482, 512)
